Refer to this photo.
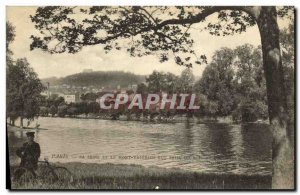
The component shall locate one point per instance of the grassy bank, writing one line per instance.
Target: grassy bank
(111, 176)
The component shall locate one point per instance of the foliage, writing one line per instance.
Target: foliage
(44, 111)
(90, 97)
(53, 100)
(10, 36)
(287, 41)
(53, 110)
(186, 81)
(23, 90)
(161, 82)
(146, 30)
(142, 88)
(217, 82)
(234, 84)
(62, 110)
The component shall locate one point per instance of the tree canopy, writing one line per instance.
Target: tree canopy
(23, 90)
(163, 31)
(23, 87)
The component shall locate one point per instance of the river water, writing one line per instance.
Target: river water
(210, 148)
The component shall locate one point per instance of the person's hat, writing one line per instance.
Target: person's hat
(30, 134)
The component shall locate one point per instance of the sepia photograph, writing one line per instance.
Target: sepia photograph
(150, 97)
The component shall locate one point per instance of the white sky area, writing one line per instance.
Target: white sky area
(94, 57)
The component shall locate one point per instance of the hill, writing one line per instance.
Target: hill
(98, 78)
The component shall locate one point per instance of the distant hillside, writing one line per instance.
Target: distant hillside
(98, 78)
(51, 80)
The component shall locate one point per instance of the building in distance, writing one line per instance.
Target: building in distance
(72, 98)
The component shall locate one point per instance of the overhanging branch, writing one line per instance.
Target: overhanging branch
(194, 19)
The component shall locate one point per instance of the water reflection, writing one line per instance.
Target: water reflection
(256, 147)
(219, 140)
(218, 148)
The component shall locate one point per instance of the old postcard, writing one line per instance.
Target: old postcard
(150, 97)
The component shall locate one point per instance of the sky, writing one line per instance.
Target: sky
(93, 57)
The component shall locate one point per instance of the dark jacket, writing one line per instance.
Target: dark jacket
(29, 154)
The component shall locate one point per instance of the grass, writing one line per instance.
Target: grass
(119, 176)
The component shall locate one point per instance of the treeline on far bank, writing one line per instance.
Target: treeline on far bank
(232, 85)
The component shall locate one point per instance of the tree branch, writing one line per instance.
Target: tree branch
(195, 19)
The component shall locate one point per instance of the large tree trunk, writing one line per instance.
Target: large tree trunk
(283, 146)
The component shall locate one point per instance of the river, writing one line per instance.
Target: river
(209, 148)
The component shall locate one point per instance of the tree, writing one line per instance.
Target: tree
(161, 82)
(217, 82)
(155, 82)
(89, 97)
(82, 108)
(54, 100)
(186, 81)
(142, 88)
(287, 41)
(10, 36)
(53, 110)
(94, 107)
(171, 82)
(235, 81)
(152, 29)
(207, 107)
(72, 111)
(23, 87)
(23, 91)
(44, 111)
(62, 110)
(250, 83)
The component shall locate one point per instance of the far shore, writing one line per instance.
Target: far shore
(180, 119)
